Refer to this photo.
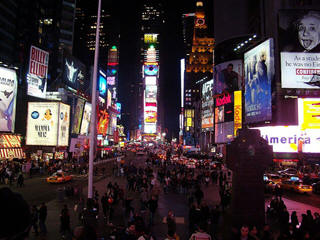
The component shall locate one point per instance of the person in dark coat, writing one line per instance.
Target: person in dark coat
(64, 221)
(34, 219)
(153, 205)
(42, 218)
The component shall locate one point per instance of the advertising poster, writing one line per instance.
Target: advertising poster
(228, 76)
(151, 92)
(74, 74)
(299, 44)
(77, 116)
(259, 73)
(8, 95)
(207, 106)
(103, 122)
(224, 132)
(309, 113)
(86, 117)
(286, 138)
(64, 122)
(42, 123)
(109, 98)
(237, 111)
(150, 38)
(150, 128)
(102, 86)
(151, 80)
(37, 72)
(111, 80)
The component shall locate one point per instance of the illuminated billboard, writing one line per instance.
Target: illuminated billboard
(300, 48)
(64, 122)
(224, 132)
(309, 113)
(102, 86)
(86, 117)
(287, 138)
(111, 80)
(151, 69)
(151, 80)
(103, 122)
(207, 114)
(237, 111)
(228, 76)
(37, 72)
(74, 73)
(151, 92)
(77, 116)
(109, 98)
(150, 38)
(8, 95)
(150, 128)
(259, 73)
(48, 124)
(151, 55)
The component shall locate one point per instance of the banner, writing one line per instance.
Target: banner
(86, 117)
(207, 106)
(77, 116)
(64, 122)
(37, 72)
(8, 94)
(259, 73)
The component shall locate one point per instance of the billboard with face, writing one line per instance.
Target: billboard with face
(259, 74)
(207, 106)
(37, 72)
(228, 76)
(64, 122)
(299, 43)
(42, 123)
(8, 95)
(74, 74)
(77, 116)
(86, 118)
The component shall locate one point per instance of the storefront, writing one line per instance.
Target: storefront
(10, 147)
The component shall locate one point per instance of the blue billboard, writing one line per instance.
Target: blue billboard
(151, 70)
(102, 86)
(259, 74)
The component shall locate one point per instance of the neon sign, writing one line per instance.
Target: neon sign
(223, 100)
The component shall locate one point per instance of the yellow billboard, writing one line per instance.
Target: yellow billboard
(310, 113)
(150, 38)
(237, 111)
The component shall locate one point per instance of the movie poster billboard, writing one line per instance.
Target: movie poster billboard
(207, 106)
(8, 95)
(42, 123)
(74, 74)
(299, 44)
(37, 72)
(64, 122)
(228, 76)
(259, 74)
(77, 116)
(86, 118)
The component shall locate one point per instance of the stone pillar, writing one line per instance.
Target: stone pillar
(248, 156)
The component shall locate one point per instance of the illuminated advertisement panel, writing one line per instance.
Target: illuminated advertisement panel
(74, 73)
(224, 132)
(150, 128)
(259, 73)
(151, 92)
(64, 122)
(237, 111)
(151, 80)
(151, 69)
(111, 80)
(102, 86)
(309, 113)
(109, 99)
(77, 116)
(207, 106)
(37, 72)
(300, 48)
(118, 107)
(103, 122)
(150, 38)
(8, 95)
(151, 55)
(286, 138)
(219, 114)
(150, 116)
(42, 123)
(228, 76)
(86, 117)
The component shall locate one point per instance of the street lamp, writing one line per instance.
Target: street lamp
(93, 102)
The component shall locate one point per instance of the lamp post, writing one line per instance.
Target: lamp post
(93, 102)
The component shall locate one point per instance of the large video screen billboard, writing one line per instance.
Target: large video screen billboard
(151, 91)
(207, 106)
(102, 86)
(259, 74)
(77, 116)
(74, 74)
(8, 96)
(151, 69)
(37, 72)
(48, 124)
(228, 76)
(86, 118)
(299, 44)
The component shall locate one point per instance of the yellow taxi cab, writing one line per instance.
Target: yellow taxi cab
(274, 178)
(296, 186)
(59, 177)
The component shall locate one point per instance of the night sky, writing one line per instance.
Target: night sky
(171, 51)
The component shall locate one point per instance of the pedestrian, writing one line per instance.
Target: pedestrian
(20, 180)
(64, 221)
(42, 219)
(200, 233)
(153, 205)
(171, 221)
(35, 219)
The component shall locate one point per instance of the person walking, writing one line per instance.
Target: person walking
(42, 219)
(64, 221)
(153, 205)
(35, 219)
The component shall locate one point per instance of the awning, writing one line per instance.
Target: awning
(7, 153)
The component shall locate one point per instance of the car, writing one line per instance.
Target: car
(316, 188)
(59, 177)
(295, 186)
(274, 178)
(289, 172)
